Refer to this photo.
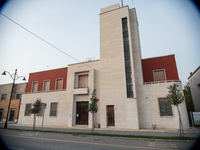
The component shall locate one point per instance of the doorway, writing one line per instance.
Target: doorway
(12, 114)
(110, 115)
(82, 113)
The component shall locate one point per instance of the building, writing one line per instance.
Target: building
(131, 91)
(194, 82)
(50, 87)
(5, 91)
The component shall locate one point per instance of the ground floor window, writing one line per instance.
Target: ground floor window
(27, 110)
(53, 109)
(1, 114)
(165, 107)
(42, 110)
(12, 114)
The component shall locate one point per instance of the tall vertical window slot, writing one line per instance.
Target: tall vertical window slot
(53, 109)
(27, 110)
(129, 83)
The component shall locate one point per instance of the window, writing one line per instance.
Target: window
(1, 114)
(11, 114)
(35, 87)
(159, 75)
(83, 81)
(53, 109)
(27, 110)
(165, 107)
(42, 110)
(59, 84)
(129, 84)
(46, 86)
(3, 96)
(18, 96)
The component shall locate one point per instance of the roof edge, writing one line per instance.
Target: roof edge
(159, 56)
(192, 73)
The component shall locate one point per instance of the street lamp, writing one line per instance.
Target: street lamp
(14, 77)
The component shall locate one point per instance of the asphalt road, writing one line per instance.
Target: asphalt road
(18, 140)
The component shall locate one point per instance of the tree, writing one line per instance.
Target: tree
(93, 108)
(175, 97)
(35, 110)
(188, 98)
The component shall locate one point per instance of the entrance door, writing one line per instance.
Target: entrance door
(82, 113)
(12, 114)
(1, 114)
(110, 115)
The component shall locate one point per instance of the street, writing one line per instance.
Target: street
(18, 140)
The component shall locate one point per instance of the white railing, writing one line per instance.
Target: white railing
(165, 81)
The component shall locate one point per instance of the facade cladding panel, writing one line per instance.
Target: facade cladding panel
(50, 75)
(166, 63)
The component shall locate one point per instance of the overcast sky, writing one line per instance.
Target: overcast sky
(165, 27)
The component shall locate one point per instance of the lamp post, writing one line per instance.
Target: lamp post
(14, 77)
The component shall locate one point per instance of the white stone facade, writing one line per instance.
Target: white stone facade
(194, 81)
(108, 77)
(59, 97)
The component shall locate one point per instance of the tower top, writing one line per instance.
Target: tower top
(109, 8)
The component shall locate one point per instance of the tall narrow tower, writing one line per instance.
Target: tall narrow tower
(120, 65)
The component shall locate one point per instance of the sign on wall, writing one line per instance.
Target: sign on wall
(196, 116)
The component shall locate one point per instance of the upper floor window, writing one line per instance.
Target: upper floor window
(159, 75)
(3, 96)
(18, 96)
(46, 85)
(35, 87)
(83, 81)
(59, 84)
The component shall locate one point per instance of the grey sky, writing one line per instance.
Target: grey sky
(165, 26)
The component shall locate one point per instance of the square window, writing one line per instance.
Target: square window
(165, 107)
(18, 96)
(3, 96)
(83, 81)
(159, 75)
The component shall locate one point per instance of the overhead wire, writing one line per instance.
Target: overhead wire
(43, 39)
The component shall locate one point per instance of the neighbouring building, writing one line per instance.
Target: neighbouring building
(5, 91)
(194, 82)
(131, 90)
(50, 87)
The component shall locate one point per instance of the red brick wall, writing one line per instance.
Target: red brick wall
(51, 75)
(165, 62)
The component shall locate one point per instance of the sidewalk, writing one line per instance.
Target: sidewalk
(192, 132)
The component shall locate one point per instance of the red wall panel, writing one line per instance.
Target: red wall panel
(167, 63)
(51, 75)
